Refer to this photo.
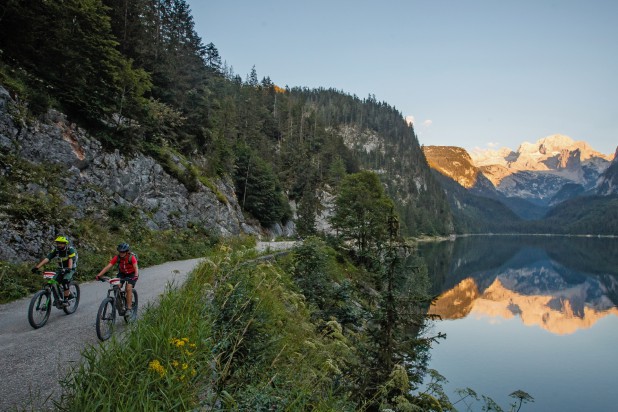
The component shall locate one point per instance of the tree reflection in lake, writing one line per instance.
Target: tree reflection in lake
(533, 313)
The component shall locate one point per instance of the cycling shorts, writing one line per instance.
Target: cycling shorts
(130, 278)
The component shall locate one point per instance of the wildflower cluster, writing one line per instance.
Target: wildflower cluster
(179, 364)
(156, 367)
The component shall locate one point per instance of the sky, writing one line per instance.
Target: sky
(470, 73)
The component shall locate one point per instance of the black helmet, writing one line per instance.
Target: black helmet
(123, 247)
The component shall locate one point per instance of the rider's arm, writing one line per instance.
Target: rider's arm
(41, 263)
(134, 261)
(105, 269)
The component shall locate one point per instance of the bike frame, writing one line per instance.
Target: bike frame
(117, 293)
(54, 286)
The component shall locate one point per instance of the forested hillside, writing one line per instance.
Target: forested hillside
(137, 76)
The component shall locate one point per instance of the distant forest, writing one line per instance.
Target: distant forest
(138, 77)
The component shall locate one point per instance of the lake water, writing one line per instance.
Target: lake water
(532, 313)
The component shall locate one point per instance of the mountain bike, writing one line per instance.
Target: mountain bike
(114, 302)
(52, 294)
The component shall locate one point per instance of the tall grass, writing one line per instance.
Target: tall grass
(236, 336)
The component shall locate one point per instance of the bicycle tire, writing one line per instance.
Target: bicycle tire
(39, 309)
(133, 314)
(106, 317)
(73, 303)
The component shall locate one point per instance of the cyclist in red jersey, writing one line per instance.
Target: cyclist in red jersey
(128, 270)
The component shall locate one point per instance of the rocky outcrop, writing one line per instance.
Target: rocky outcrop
(608, 181)
(94, 180)
(453, 162)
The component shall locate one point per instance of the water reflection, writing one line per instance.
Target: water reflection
(560, 284)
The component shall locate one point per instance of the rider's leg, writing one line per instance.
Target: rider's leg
(129, 295)
(61, 278)
(65, 283)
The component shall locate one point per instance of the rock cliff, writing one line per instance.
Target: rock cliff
(92, 180)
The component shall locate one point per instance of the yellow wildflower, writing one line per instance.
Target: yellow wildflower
(179, 342)
(156, 366)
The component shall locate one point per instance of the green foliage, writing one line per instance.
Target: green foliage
(28, 194)
(596, 215)
(308, 207)
(52, 39)
(12, 286)
(258, 189)
(362, 210)
(321, 279)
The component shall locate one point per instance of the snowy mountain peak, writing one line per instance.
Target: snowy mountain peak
(533, 156)
(555, 165)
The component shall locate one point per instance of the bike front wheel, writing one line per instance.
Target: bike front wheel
(106, 317)
(74, 300)
(39, 309)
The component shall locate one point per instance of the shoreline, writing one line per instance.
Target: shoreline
(453, 237)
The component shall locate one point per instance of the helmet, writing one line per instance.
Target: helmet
(62, 239)
(123, 247)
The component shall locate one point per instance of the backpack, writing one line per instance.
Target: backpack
(128, 257)
(75, 259)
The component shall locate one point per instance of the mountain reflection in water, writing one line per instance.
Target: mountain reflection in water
(559, 284)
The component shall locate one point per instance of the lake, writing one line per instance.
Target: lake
(535, 313)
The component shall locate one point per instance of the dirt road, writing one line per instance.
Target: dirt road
(32, 361)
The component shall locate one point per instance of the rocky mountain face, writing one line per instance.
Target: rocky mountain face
(398, 159)
(538, 171)
(93, 180)
(608, 181)
(532, 179)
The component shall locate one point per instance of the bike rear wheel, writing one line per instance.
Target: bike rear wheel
(106, 317)
(74, 302)
(133, 313)
(39, 309)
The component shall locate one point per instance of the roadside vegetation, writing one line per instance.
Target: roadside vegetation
(310, 330)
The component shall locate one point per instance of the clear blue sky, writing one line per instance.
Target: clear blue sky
(473, 73)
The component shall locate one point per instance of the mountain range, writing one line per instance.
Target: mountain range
(499, 189)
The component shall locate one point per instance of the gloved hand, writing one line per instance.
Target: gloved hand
(34, 269)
